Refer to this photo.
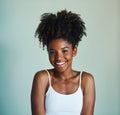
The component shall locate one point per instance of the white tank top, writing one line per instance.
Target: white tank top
(63, 104)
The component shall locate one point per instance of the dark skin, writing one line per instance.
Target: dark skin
(64, 79)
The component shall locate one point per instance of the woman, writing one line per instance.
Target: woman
(62, 90)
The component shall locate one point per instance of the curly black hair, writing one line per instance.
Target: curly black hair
(66, 25)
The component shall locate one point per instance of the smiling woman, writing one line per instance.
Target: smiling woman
(62, 90)
(61, 54)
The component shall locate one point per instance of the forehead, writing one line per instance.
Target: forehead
(59, 43)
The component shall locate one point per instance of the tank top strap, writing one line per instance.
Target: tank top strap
(49, 78)
(80, 78)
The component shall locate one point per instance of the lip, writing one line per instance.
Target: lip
(60, 64)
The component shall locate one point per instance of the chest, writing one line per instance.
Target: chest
(65, 86)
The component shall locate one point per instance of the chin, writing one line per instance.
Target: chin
(59, 69)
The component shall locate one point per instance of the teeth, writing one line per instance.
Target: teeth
(60, 63)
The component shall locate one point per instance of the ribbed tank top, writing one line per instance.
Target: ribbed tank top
(63, 104)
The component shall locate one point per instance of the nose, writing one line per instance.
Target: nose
(58, 56)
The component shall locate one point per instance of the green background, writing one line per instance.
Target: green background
(21, 55)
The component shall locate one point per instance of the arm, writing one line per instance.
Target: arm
(38, 93)
(88, 87)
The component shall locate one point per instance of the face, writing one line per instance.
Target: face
(61, 54)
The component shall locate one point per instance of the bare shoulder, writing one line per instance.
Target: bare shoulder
(40, 81)
(39, 87)
(41, 76)
(89, 93)
(87, 80)
(87, 76)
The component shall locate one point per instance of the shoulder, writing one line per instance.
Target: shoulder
(41, 75)
(38, 91)
(41, 78)
(89, 93)
(87, 80)
(87, 76)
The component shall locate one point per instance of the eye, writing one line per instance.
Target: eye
(51, 52)
(65, 51)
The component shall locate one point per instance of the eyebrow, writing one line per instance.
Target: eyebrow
(66, 47)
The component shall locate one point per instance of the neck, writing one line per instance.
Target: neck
(64, 75)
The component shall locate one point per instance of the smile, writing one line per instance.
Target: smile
(60, 63)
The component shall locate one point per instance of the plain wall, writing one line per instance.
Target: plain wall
(21, 56)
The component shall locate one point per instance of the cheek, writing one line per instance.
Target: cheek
(51, 58)
(69, 57)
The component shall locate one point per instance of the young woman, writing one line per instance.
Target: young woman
(62, 90)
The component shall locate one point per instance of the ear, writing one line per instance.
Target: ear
(74, 52)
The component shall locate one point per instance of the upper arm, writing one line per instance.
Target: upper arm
(38, 93)
(88, 87)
